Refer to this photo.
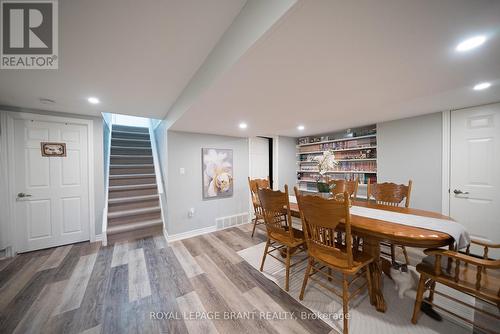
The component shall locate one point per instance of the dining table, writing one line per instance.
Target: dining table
(374, 231)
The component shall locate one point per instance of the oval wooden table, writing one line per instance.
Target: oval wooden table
(373, 231)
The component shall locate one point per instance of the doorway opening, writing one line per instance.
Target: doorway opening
(261, 158)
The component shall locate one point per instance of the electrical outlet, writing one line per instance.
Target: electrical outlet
(182, 171)
(191, 213)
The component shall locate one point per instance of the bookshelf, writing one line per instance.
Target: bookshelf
(354, 149)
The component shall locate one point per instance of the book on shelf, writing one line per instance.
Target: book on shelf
(311, 178)
(370, 153)
(337, 146)
(347, 134)
(369, 166)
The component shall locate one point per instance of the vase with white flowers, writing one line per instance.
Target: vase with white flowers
(326, 163)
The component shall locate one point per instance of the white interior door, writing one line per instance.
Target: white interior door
(259, 158)
(475, 170)
(55, 207)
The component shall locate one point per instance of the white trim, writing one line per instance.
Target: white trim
(104, 223)
(249, 141)
(12, 185)
(445, 173)
(90, 149)
(100, 237)
(188, 234)
(204, 230)
(276, 177)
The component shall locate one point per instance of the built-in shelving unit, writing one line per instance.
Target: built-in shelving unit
(354, 149)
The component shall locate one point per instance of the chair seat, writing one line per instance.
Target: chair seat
(490, 281)
(360, 259)
(298, 239)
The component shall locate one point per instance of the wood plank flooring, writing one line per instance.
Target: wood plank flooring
(197, 285)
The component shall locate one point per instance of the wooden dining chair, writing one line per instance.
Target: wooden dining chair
(340, 185)
(485, 244)
(474, 275)
(320, 219)
(255, 184)
(281, 236)
(391, 194)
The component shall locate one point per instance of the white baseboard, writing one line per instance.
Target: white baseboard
(189, 234)
(209, 229)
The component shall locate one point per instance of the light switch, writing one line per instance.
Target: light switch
(182, 171)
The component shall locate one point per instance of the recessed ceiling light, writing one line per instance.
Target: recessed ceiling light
(470, 43)
(93, 100)
(243, 125)
(482, 85)
(300, 127)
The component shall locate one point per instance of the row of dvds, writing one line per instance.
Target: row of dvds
(370, 166)
(345, 155)
(363, 177)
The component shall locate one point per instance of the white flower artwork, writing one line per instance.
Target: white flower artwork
(217, 173)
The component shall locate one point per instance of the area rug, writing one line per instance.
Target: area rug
(363, 316)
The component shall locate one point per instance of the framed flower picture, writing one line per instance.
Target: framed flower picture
(217, 166)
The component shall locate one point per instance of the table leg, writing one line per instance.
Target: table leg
(372, 247)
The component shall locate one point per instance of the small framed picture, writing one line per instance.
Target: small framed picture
(53, 149)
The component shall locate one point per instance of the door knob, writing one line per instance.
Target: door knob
(23, 195)
(460, 192)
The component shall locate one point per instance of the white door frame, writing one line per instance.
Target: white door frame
(445, 165)
(12, 170)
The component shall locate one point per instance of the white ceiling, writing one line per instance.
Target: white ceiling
(136, 56)
(334, 64)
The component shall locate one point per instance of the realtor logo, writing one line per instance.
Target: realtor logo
(29, 34)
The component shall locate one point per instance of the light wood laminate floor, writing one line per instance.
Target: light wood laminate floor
(94, 289)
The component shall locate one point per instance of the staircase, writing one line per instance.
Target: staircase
(133, 200)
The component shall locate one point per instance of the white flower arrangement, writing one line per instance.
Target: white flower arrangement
(326, 162)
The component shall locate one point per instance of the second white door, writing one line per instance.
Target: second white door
(475, 170)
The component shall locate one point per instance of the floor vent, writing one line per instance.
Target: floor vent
(234, 220)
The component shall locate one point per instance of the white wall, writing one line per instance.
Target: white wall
(287, 162)
(5, 230)
(185, 191)
(412, 149)
(255, 18)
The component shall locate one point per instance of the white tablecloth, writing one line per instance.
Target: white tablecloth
(454, 229)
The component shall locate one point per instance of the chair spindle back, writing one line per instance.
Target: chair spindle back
(389, 193)
(351, 186)
(320, 218)
(276, 211)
